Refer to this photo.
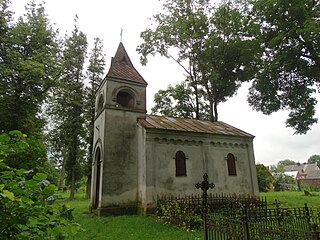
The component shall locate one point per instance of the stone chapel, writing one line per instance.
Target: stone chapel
(138, 156)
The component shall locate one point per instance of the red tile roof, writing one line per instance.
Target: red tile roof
(122, 67)
(191, 125)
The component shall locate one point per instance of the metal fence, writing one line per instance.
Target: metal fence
(267, 224)
(216, 202)
(240, 217)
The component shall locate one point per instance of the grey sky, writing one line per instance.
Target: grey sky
(104, 19)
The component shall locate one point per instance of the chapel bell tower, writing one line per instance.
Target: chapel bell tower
(120, 101)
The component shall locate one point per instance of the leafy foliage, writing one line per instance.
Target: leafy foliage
(279, 167)
(210, 44)
(29, 66)
(67, 107)
(314, 158)
(179, 214)
(95, 74)
(265, 178)
(290, 69)
(26, 203)
(178, 101)
(27, 152)
(280, 178)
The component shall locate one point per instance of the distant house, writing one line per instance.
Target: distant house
(294, 174)
(308, 174)
(312, 178)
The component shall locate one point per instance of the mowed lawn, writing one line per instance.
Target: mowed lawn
(150, 228)
(292, 199)
(125, 227)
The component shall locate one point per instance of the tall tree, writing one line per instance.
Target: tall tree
(279, 175)
(67, 105)
(314, 159)
(28, 68)
(5, 26)
(279, 167)
(213, 47)
(5, 22)
(290, 69)
(95, 73)
(265, 178)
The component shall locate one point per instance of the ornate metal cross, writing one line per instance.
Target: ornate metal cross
(205, 185)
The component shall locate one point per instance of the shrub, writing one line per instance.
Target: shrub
(27, 209)
(179, 214)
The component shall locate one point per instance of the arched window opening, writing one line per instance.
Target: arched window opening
(125, 99)
(231, 162)
(180, 160)
(100, 103)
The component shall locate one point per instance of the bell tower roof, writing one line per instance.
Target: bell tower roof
(122, 67)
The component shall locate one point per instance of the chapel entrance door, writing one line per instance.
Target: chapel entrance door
(97, 180)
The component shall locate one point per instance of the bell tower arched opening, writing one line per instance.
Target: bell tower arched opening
(125, 99)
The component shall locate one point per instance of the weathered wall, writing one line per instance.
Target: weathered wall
(315, 182)
(205, 153)
(117, 129)
(98, 141)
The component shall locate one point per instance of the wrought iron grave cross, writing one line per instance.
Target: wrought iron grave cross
(205, 185)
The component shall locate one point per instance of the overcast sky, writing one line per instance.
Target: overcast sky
(105, 19)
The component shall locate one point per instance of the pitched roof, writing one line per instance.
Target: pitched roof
(313, 174)
(293, 174)
(122, 67)
(294, 167)
(302, 168)
(191, 125)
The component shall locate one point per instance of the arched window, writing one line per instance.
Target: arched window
(180, 160)
(231, 161)
(100, 103)
(125, 99)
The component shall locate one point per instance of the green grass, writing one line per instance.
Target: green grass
(292, 199)
(124, 227)
(150, 228)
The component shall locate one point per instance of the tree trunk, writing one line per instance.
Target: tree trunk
(73, 166)
(212, 118)
(61, 185)
(197, 102)
(73, 184)
(194, 84)
(215, 106)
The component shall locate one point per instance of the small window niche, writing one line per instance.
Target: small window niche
(181, 168)
(125, 99)
(231, 162)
